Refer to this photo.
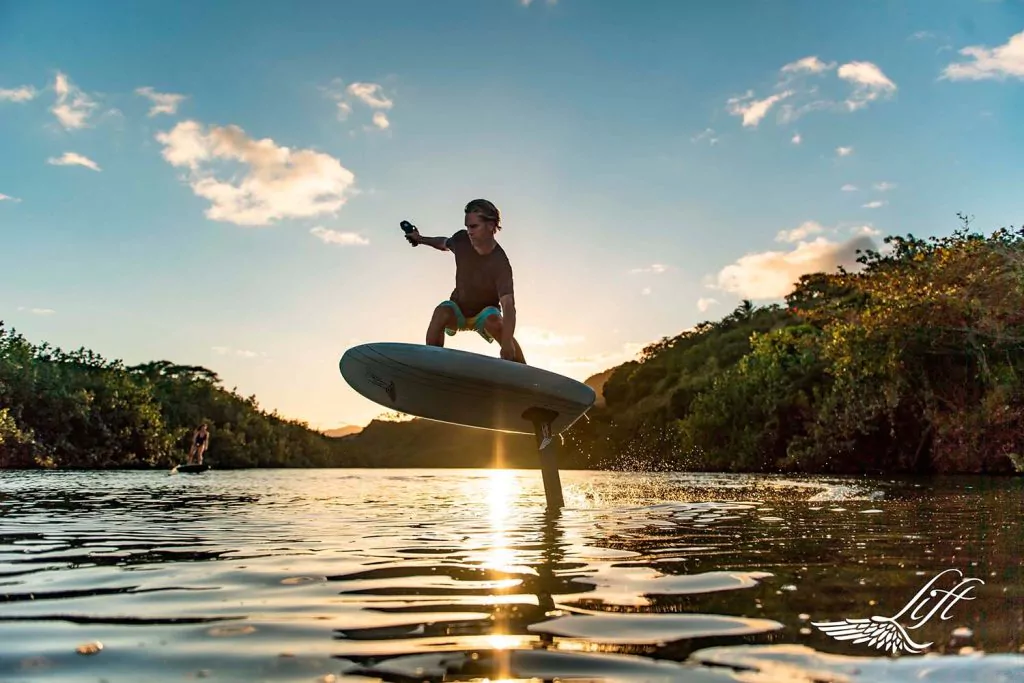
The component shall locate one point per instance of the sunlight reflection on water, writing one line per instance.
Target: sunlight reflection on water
(458, 574)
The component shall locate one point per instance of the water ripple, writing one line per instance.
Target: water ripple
(459, 574)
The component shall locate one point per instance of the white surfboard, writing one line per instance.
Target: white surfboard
(465, 388)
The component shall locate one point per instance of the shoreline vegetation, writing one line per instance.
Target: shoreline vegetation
(910, 364)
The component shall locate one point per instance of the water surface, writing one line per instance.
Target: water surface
(400, 575)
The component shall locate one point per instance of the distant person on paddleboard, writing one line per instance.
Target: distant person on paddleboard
(200, 440)
(483, 299)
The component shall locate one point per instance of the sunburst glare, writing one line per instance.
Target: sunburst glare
(502, 490)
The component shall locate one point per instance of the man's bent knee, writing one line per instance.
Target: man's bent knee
(443, 317)
(493, 325)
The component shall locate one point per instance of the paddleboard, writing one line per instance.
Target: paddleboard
(192, 469)
(465, 388)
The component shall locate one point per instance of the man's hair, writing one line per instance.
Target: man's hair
(486, 209)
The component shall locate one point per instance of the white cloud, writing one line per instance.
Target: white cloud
(73, 106)
(874, 205)
(753, 110)
(996, 63)
(796, 140)
(869, 83)
(772, 274)
(656, 268)
(844, 151)
(921, 35)
(371, 95)
(704, 303)
(801, 232)
(791, 112)
(335, 237)
(37, 311)
(344, 109)
(73, 159)
(645, 291)
(808, 65)
(796, 94)
(21, 94)
(536, 336)
(707, 134)
(163, 103)
(849, 188)
(8, 198)
(279, 182)
(885, 186)
(866, 230)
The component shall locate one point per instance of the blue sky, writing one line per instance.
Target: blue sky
(221, 183)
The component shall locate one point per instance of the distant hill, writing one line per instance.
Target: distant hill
(345, 430)
(418, 442)
(596, 382)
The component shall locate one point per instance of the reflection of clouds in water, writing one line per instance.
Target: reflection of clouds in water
(632, 586)
(650, 629)
(460, 572)
(568, 663)
(797, 662)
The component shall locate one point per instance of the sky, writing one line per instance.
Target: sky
(221, 183)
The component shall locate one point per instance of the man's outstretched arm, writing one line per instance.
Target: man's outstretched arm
(440, 243)
(414, 237)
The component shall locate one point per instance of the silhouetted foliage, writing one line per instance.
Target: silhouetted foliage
(77, 410)
(911, 364)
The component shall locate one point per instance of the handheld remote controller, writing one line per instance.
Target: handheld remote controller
(408, 227)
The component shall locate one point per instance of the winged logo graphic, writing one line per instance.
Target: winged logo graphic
(886, 633)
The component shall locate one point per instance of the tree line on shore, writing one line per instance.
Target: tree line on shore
(911, 363)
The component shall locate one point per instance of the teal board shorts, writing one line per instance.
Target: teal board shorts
(474, 323)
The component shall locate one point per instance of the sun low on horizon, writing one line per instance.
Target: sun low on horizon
(221, 184)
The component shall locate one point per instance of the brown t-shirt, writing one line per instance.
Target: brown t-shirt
(480, 279)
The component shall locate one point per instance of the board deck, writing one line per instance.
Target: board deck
(464, 388)
(192, 469)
